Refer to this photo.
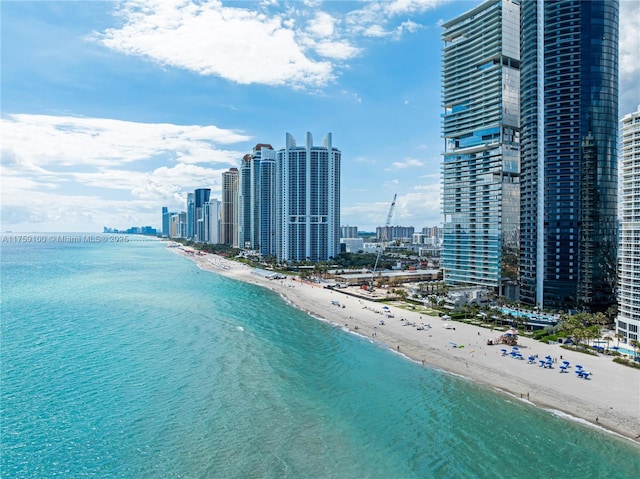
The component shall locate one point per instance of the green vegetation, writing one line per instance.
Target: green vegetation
(583, 327)
(360, 260)
(221, 249)
(627, 362)
(580, 348)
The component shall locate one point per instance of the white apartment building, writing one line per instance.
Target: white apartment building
(629, 253)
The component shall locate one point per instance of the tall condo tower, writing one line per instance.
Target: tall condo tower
(267, 201)
(191, 215)
(569, 126)
(229, 208)
(629, 279)
(212, 221)
(481, 81)
(245, 201)
(308, 189)
(252, 198)
(166, 221)
(201, 197)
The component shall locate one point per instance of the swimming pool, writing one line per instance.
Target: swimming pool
(623, 350)
(620, 349)
(529, 315)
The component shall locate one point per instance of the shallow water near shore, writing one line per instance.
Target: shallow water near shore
(127, 361)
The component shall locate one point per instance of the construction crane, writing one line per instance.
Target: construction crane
(389, 216)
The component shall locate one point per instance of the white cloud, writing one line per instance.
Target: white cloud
(322, 25)
(629, 39)
(95, 169)
(64, 140)
(336, 50)
(375, 19)
(629, 48)
(297, 45)
(419, 208)
(407, 163)
(238, 44)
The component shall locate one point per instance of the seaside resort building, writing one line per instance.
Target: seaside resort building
(569, 127)
(308, 194)
(257, 200)
(481, 81)
(629, 259)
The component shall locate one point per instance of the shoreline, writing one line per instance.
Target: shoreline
(609, 400)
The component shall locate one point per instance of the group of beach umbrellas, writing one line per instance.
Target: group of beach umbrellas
(547, 362)
(515, 353)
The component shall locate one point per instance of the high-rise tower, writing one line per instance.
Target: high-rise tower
(191, 215)
(629, 280)
(569, 110)
(308, 192)
(229, 208)
(267, 201)
(166, 221)
(481, 81)
(254, 203)
(201, 197)
(245, 201)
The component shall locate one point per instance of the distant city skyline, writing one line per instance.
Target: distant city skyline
(110, 112)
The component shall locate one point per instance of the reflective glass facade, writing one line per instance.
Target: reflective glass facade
(191, 214)
(244, 202)
(229, 212)
(569, 101)
(257, 199)
(201, 197)
(481, 82)
(267, 203)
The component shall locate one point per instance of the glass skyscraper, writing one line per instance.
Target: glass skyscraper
(569, 119)
(229, 210)
(191, 215)
(201, 197)
(481, 81)
(245, 201)
(267, 201)
(166, 221)
(257, 190)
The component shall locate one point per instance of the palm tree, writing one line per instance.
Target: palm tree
(607, 339)
(593, 332)
(635, 345)
(619, 336)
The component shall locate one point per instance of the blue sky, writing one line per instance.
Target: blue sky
(111, 110)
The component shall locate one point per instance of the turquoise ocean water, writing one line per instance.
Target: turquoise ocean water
(124, 360)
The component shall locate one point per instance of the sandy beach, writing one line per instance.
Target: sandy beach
(609, 399)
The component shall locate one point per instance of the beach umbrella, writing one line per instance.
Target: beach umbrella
(512, 332)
